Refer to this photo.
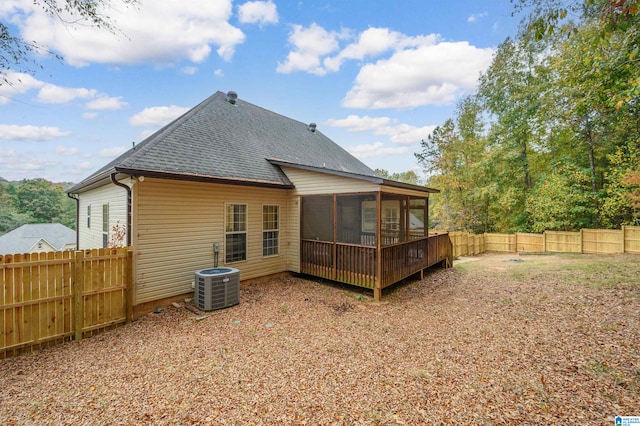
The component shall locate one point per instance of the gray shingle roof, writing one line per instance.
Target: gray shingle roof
(24, 238)
(220, 140)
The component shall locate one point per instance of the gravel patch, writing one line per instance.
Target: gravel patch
(488, 342)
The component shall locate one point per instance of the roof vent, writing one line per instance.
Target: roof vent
(232, 97)
(312, 127)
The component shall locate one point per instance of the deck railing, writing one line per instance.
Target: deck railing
(357, 264)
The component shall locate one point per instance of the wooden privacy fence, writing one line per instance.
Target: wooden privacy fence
(595, 241)
(49, 298)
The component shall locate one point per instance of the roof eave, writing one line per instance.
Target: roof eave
(373, 179)
(193, 177)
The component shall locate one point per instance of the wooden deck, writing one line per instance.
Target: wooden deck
(357, 264)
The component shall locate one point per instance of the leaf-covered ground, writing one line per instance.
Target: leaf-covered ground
(502, 339)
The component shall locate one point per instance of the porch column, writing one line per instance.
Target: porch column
(377, 290)
(334, 273)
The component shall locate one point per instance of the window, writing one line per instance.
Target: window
(235, 232)
(270, 230)
(391, 218)
(105, 224)
(369, 216)
(89, 216)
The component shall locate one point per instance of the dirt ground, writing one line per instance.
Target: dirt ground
(498, 339)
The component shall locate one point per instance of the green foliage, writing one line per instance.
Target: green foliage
(34, 201)
(562, 200)
(621, 197)
(406, 177)
(551, 138)
(454, 158)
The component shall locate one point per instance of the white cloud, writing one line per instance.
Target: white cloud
(52, 94)
(309, 45)
(7, 155)
(30, 133)
(89, 115)
(218, 73)
(428, 75)
(476, 16)
(373, 42)
(189, 70)
(63, 150)
(157, 116)
(111, 152)
(106, 103)
(402, 134)
(17, 84)
(412, 71)
(145, 134)
(84, 165)
(376, 149)
(405, 134)
(354, 123)
(258, 12)
(152, 31)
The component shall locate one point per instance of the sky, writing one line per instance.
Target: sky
(376, 77)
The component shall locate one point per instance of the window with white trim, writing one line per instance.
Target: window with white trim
(105, 225)
(270, 229)
(235, 232)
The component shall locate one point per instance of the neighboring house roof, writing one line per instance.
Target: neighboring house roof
(25, 238)
(231, 142)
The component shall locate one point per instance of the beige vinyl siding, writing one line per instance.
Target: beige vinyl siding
(110, 194)
(308, 182)
(177, 224)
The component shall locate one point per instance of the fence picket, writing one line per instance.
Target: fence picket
(596, 241)
(44, 296)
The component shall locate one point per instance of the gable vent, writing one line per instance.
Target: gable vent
(232, 97)
(312, 127)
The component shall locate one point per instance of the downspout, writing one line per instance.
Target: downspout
(77, 198)
(115, 182)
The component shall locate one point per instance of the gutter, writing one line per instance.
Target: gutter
(115, 182)
(77, 198)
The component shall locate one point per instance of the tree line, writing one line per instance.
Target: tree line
(551, 138)
(34, 201)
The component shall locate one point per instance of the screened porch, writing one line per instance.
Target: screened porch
(369, 240)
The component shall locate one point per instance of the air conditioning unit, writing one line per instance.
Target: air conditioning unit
(217, 288)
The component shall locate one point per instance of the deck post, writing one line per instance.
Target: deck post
(377, 290)
(334, 272)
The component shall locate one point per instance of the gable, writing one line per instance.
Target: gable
(52, 236)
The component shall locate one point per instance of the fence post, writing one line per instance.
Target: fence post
(581, 245)
(624, 249)
(544, 241)
(129, 282)
(78, 286)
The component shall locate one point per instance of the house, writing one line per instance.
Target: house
(231, 183)
(38, 238)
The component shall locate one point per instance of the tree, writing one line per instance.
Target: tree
(40, 199)
(406, 177)
(454, 157)
(549, 19)
(16, 52)
(10, 217)
(561, 201)
(621, 200)
(510, 93)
